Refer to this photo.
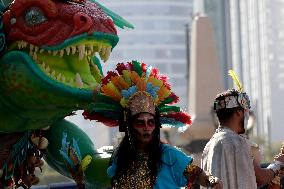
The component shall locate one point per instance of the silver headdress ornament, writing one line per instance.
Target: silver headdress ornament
(237, 98)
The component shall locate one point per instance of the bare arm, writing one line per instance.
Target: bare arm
(265, 175)
(195, 174)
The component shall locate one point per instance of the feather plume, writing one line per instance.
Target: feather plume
(137, 68)
(109, 75)
(163, 93)
(110, 122)
(181, 116)
(236, 80)
(141, 84)
(120, 67)
(126, 76)
(134, 77)
(155, 81)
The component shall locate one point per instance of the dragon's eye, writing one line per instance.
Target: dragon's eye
(34, 16)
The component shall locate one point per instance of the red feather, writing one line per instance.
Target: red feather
(107, 78)
(165, 80)
(174, 97)
(154, 72)
(129, 66)
(144, 67)
(183, 117)
(98, 117)
(120, 67)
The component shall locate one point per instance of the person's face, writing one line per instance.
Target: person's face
(143, 127)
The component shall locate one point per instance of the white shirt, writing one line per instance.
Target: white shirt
(227, 156)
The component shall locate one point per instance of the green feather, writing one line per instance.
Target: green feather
(103, 106)
(118, 20)
(164, 109)
(167, 101)
(236, 80)
(100, 98)
(137, 67)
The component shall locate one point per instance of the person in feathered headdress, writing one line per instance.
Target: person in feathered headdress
(229, 154)
(139, 100)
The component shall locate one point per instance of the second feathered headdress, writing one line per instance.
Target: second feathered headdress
(233, 98)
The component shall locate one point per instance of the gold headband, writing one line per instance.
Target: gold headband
(141, 102)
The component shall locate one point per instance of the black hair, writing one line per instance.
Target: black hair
(126, 153)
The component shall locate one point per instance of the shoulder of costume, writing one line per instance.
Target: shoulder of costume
(228, 141)
(169, 154)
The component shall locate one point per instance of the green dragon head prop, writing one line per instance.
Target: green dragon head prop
(50, 58)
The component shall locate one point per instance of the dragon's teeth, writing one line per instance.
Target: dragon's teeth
(91, 47)
(79, 81)
(47, 69)
(102, 52)
(61, 53)
(35, 56)
(24, 44)
(107, 53)
(67, 50)
(99, 48)
(89, 52)
(73, 49)
(81, 49)
(58, 77)
(63, 79)
(31, 47)
(54, 53)
(53, 74)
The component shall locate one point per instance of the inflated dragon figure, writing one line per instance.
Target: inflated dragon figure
(49, 68)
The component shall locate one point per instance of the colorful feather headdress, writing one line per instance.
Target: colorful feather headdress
(139, 88)
(237, 98)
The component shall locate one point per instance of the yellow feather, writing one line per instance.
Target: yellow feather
(163, 93)
(134, 77)
(156, 82)
(126, 76)
(123, 83)
(85, 162)
(236, 80)
(111, 91)
(141, 84)
(123, 102)
(115, 81)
